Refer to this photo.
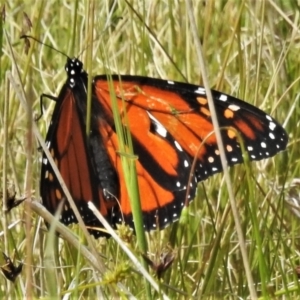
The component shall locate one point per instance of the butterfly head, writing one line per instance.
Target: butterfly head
(74, 69)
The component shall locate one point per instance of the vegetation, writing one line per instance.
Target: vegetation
(251, 51)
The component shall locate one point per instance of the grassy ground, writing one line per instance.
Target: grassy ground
(251, 49)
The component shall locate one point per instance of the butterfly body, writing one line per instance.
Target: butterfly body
(170, 125)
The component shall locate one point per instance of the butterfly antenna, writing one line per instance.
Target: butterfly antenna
(24, 36)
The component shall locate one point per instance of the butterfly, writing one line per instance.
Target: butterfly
(170, 125)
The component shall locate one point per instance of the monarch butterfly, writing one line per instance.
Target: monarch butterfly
(168, 122)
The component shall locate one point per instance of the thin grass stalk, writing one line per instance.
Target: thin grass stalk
(260, 46)
(128, 159)
(89, 61)
(74, 26)
(128, 165)
(5, 163)
(263, 270)
(222, 152)
(4, 171)
(229, 48)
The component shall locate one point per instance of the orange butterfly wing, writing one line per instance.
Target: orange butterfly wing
(183, 121)
(66, 140)
(158, 177)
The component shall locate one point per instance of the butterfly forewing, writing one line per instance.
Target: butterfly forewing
(67, 143)
(183, 111)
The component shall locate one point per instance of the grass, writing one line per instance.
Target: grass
(251, 49)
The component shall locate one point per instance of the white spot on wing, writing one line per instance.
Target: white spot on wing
(272, 125)
(234, 107)
(272, 136)
(223, 97)
(177, 145)
(200, 90)
(211, 159)
(159, 128)
(263, 145)
(269, 118)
